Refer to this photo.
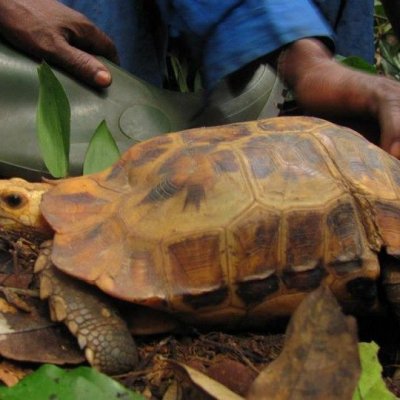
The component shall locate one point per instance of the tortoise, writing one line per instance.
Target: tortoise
(223, 226)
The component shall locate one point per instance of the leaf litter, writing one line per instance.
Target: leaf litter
(233, 361)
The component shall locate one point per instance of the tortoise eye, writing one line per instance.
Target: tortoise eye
(13, 200)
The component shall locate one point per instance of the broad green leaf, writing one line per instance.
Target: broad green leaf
(102, 151)
(51, 382)
(371, 385)
(53, 120)
(357, 63)
(379, 11)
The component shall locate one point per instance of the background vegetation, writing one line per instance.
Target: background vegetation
(386, 44)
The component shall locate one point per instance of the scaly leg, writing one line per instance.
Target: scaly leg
(89, 316)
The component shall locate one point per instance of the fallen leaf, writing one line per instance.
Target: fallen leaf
(14, 299)
(320, 357)
(10, 374)
(33, 337)
(45, 345)
(6, 307)
(20, 280)
(232, 374)
(212, 388)
(173, 392)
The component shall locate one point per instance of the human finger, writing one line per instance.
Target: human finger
(389, 120)
(79, 63)
(88, 37)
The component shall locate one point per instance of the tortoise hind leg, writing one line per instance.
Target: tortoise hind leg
(95, 323)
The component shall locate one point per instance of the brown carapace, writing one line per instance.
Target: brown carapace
(232, 224)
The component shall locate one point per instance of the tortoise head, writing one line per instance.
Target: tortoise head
(20, 206)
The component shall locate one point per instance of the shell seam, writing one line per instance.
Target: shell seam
(364, 206)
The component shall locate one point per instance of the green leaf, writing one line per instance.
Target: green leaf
(371, 385)
(102, 151)
(379, 11)
(53, 120)
(390, 57)
(180, 73)
(51, 382)
(357, 63)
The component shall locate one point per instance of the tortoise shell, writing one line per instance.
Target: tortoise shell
(232, 223)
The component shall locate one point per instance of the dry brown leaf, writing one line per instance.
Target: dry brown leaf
(6, 307)
(232, 374)
(212, 388)
(13, 280)
(16, 300)
(10, 374)
(46, 345)
(33, 337)
(320, 358)
(173, 392)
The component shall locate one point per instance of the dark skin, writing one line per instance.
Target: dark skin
(326, 88)
(48, 30)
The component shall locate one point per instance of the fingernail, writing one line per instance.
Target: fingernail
(102, 78)
(395, 149)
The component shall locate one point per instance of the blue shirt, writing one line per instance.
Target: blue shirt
(233, 33)
(228, 34)
(124, 22)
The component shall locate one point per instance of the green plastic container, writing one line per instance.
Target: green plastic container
(133, 109)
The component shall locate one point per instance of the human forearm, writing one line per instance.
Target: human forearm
(321, 84)
(327, 88)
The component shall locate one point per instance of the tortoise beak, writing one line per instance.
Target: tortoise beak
(8, 221)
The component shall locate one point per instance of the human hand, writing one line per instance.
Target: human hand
(46, 29)
(387, 110)
(326, 88)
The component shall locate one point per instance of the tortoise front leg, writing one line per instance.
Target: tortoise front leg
(89, 316)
